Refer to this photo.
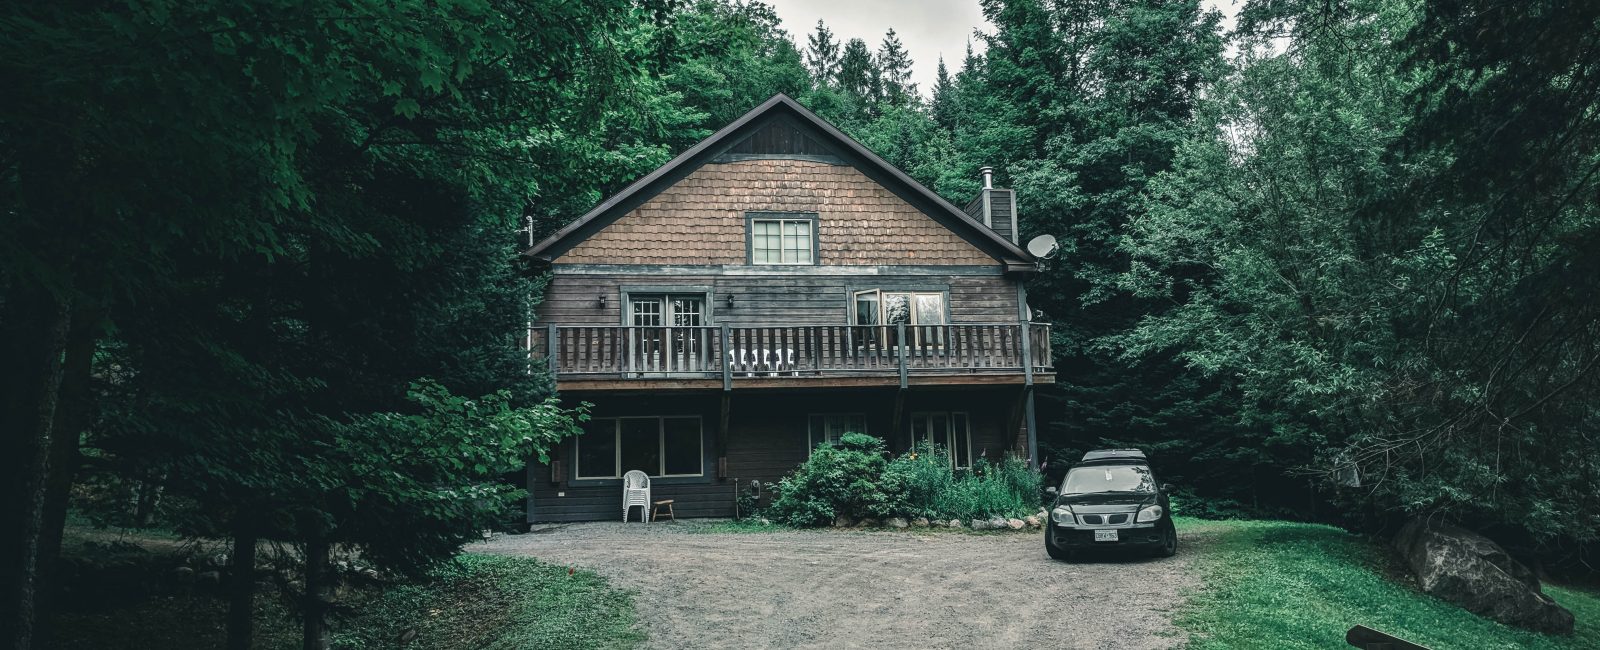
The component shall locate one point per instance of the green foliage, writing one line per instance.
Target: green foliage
(498, 602)
(852, 479)
(1286, 585)
(434, 474)
(844, 479)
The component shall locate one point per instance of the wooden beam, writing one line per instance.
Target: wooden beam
(804, 381)
(899, 411)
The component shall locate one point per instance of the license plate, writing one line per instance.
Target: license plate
(1105, 535)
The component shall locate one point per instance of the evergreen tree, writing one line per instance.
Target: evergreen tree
(894, 65)
(942, 105)
(822, 55)
(859, 75)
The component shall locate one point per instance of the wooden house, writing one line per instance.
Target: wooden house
(773, 287)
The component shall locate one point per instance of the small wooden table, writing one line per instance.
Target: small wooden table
(655, 513)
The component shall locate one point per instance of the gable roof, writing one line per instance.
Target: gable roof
(879, 170)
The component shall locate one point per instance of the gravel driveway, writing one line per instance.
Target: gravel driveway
(884, 589)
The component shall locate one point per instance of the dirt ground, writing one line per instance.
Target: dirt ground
(885, 589)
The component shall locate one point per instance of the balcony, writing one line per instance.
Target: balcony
(614, 357)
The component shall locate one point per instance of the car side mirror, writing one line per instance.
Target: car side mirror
(1166, 487)
(1051, 491)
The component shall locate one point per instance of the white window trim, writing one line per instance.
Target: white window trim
(810, 239)
(950, 451)
(661, 445)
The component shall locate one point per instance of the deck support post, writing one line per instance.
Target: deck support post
(1032, 422)
(727, 367)
(900, 351)
(551, 348)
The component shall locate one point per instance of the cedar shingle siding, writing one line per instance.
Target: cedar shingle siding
(701, 219)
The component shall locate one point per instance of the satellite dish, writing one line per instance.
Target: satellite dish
(1043, 246)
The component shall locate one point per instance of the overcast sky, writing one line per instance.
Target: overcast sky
(928, 28)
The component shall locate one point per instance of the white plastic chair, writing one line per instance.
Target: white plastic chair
(636, 492)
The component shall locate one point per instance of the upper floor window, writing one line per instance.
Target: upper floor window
(782, 238)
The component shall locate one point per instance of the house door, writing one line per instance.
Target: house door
(667, 333)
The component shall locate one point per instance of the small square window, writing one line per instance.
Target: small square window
(783, 240)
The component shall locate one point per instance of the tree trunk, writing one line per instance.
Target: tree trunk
(34, 337)
(74, 413)
(315, 609)
(242, 585)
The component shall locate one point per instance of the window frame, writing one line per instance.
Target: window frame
(881, 335)
(950, 421)
(616, 441)
(750, 219)
(812, 441)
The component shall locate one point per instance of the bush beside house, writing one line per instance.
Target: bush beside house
(856, 478)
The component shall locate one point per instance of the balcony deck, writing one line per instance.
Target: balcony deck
(729, 357)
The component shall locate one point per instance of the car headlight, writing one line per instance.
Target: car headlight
(1149, 513)
(1063, 515)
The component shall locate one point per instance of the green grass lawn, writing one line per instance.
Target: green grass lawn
(496, 602)
(1286, 585)
(482, 601)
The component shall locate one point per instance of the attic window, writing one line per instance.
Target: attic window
(782, 238)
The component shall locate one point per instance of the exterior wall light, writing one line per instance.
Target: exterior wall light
(602, 301)
(730, 301)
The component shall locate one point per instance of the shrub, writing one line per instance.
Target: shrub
(845, 478)
(1008, 488)
(854, 479)
(921, 476)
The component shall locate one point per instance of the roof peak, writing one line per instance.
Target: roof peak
(858, 155)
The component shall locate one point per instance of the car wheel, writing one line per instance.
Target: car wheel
(1056, 553)
(1169, 543)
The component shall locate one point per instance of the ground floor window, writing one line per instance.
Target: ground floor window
(949, 430)
(827, 427)
(655, 445)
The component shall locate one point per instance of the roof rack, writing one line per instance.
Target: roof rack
(1114, 454)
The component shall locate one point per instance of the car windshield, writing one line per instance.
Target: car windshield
(1109, 478)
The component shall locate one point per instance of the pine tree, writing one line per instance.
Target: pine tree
(894, 63)
(822, 56)
(943, 102)
(858, 75)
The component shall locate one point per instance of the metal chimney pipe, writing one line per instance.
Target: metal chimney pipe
(988, 177)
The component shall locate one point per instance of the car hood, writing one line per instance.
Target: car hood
(1110, 499)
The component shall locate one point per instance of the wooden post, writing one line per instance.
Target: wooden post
(727, 361)
(901, 350)
(1027, 356)
(551, 349)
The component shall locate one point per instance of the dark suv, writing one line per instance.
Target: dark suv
(1110, 499)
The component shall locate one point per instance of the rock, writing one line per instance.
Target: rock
(184, 575)
(920, 522)
(1032, 521)
(867, 522)
(997, 523)
(955, 523)
(209, 578)
(766, 522)
(842, 521)
(980, 524)
(1468, 569)
(896, 522)
(1015, 524)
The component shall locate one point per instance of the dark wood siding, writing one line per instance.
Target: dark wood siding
(767, 438)
(574, 299)
(1000, 217)
(782, 136)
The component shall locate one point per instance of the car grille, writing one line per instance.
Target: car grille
(1098, 520)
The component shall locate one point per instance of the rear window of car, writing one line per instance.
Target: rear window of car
(1109, 478)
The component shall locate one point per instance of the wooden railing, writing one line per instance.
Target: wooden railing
(741, 351)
